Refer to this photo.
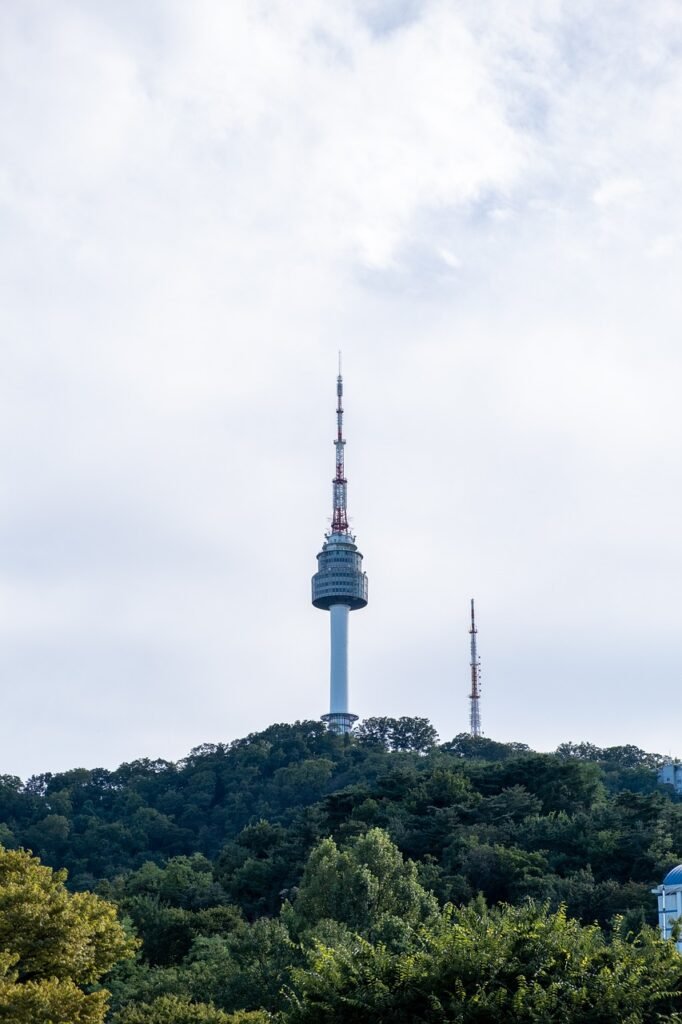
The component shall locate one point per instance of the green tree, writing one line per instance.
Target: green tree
(510, 965)
(178, 1010)
(55, 946)
(374, 732)
(482, 748)
(416, 734)
(504, 874)
(361, 886)
(167, 932)
(406, 733)
(246, 970)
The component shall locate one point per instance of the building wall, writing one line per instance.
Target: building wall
(671, 775)
(669, 910)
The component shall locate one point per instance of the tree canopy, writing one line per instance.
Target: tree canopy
(55, 946)
(510, 965)
(248, 870)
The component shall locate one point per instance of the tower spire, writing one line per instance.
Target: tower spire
(475, 695)
(339, 586)
(340, 494)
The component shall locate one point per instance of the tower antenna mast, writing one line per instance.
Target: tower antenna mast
(475, 695)
(340, 516)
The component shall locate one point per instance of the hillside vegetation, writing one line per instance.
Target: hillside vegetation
(382, 876)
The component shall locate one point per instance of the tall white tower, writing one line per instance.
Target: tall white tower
(339, 585)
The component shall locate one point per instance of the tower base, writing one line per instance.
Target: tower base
(339, 722)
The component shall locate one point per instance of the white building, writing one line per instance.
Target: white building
(669, 894)
(671, 774)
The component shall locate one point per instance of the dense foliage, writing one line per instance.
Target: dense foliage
(313, 876)
(510, 965)
(54, 946)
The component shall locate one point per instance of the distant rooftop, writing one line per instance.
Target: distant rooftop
(674, 877)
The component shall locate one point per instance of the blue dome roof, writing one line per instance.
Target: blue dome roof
(674, 877)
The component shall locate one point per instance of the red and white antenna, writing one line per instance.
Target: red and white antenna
(475, 695)
(340, 515)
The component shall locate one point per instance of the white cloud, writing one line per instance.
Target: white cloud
(616, 190)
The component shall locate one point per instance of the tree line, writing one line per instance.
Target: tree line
(299, 876)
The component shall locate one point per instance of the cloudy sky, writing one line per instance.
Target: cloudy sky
(200, 203)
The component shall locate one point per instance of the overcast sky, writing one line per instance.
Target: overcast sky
(200, 203)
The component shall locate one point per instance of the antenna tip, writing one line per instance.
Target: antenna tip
(339, 362)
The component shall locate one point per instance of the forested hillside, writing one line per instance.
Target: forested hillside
(252, 871)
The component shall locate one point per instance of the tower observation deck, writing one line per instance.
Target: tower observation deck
(339, 586)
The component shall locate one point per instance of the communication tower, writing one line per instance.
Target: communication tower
(339, 586)
(475, 695)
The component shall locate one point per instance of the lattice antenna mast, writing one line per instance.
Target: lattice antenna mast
(340, 511)
(475, 695)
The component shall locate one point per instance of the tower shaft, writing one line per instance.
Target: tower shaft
(339, 718)
(475, 694)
